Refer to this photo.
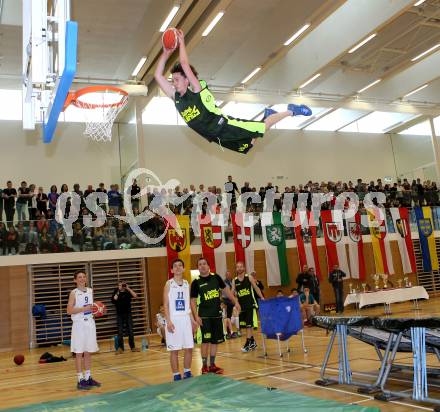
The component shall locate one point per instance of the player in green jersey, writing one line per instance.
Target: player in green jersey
(244, 286)
(198, 109)
(206, 294)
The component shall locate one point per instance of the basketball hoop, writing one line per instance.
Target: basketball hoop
(101, 105)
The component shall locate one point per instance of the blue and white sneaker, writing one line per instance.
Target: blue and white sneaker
(299, 109)
(187, 375)
(177, 378)
(268, 112)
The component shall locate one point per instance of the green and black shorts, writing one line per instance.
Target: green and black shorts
(237, 134)
(248, 318)
(212, 330)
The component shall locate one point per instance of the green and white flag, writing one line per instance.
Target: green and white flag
(275, 249)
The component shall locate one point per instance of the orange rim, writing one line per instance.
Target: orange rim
(73, 97)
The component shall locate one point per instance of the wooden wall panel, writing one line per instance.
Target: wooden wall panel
(14, 308)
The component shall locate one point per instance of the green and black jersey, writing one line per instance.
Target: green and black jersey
(200, 113)
(245, 293)
(208, 291)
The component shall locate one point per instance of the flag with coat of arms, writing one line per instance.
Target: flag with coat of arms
(243, 230)
(212, 236)
(275, 249)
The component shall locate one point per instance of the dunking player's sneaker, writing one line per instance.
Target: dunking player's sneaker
(92, 383)
(205, 370)
(268, 112)
(215, 369)
(82, 385)
(299, 110)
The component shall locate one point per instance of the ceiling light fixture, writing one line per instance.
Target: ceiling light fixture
(359, 45)
(369, 85)
(426, 52)
(297, 34)
(139, 66)
(168, 20)
(250, 75)
(214, 21)
(310, 80)
(416, 90)
(419, 3)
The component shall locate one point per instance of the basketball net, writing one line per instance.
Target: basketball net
(101, 106)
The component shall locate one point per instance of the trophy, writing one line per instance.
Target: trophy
(376, 278)
(385, 280)
(399, 283)
(350, 288)
(405, 279)
(364, 287)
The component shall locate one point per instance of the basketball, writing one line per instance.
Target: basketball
(18, 359)
(99, 309)
(169, 39)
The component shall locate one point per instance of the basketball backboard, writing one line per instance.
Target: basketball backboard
(50, 42)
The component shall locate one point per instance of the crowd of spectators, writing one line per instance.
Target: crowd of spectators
(28, 225)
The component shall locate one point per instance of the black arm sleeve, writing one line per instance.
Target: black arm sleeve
(113, 296)
(195, 289)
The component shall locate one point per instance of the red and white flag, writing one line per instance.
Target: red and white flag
(401, 223)
(305, 234)
(212, 237)
(243, 229)
(355, 247)
(333, 228)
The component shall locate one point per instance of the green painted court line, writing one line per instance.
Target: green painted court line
(206, 393)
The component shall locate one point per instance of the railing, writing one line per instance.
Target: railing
(48, 236)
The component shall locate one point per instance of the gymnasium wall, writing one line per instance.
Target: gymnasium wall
(282, 156)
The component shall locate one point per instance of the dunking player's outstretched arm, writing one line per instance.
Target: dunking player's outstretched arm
(184, 62)
(163, 83)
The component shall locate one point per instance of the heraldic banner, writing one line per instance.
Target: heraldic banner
(401, 224)
(178, 245)
(380, 242)
(427, 240)
(333, 228)
(212, 238)
(243, 228)
(305, 234)
(275, 249)
(355, 247)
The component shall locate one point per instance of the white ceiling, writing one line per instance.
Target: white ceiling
(114, 35)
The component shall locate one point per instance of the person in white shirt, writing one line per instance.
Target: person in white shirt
(180, 324)
(83, 340)
(161, 324)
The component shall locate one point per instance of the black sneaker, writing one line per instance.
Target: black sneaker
(91, 382)
(246, 347)
(252, 345)
(83, 385)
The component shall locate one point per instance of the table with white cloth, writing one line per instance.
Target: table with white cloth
(387, 297)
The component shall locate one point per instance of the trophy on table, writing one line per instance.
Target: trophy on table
(385, 280)
(399, 282)
(364, 287)
(350, 288)
(376, 278)
(405, 279)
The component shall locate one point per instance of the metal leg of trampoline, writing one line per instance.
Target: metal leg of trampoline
(375, 387)
(386, 395)
(327, 381)
(279, 345)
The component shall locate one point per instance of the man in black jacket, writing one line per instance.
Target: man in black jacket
(121, 298)
(303, 280)
(336, 277)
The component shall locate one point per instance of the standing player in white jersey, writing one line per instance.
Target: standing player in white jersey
(83, 340)
(180, 323)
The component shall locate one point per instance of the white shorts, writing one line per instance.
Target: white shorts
(83, 336)
(182, 337)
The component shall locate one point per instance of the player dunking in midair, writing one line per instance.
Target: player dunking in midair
(198, 109)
